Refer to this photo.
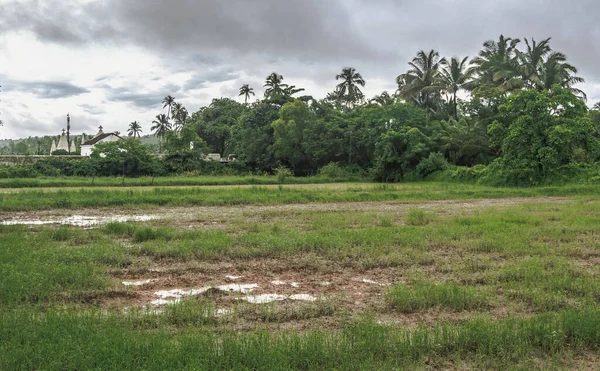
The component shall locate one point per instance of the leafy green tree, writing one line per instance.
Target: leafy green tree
(168, 101)
(124, 157)
(348, 91)
(295, 120)
(215, 123)
(160, 128)
(184, 150)
(22, 148)
(253, 136)
(135, 129)
(246, 91)
(539, 132)
(400, 151)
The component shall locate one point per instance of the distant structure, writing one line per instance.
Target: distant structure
(88, 146)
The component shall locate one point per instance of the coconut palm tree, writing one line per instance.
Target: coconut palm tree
(454, 76)
(556, 70)
(168, 101)
(348, 90)
(420, 84)
(596, 106)
(274, 85)
(496, 68)
(246, 91)
(383, 99)
(135, 129)
(532, 59)
(160, 129)
(180, 118)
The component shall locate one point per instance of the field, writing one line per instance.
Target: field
(299, 276)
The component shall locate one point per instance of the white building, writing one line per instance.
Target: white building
(88, 146)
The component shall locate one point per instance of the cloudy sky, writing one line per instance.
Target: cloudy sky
(110, 62)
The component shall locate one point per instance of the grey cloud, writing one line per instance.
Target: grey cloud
(93, 110)
(44, 89)
(145, 100)
(202, 80)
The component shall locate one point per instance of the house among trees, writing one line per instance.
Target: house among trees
(88, 146)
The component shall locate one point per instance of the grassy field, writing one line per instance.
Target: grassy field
(356, 276)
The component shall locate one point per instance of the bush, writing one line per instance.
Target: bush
(333, 170)
(282, 173)
(432, 164)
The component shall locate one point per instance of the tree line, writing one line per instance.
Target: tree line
(512, 113)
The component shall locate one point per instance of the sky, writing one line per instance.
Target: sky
(111, 62)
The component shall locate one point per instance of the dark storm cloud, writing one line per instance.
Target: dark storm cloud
(43, 89)
(145, 100)
(310, 39)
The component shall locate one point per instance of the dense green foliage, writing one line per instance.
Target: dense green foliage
(525, 121)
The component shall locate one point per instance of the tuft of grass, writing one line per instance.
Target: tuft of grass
(417, 217)
(149, 234)
(423, 295)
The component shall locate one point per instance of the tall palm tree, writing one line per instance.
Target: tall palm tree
(496, 68)
(168, 101)
(556, 70)
(274, 85)
(596, 106)
(532, 59)
(383, 99)
(454, 76)
(135, 129)
(348, 90)
(160, 129)
(420, 83)
(181, 117)
(246, 91)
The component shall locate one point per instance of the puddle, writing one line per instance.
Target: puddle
(233, 278)
(366, 280)
(177, 294)
(81, 220)
(137, 283)
(280, 283)
(269, 298)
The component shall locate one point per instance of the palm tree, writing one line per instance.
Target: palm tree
(454, 76)
(532, 59)
(168, 101)
(496, 68)
(383, 99)
(274, 85)
(180, 118)
(556, 71)
(420, 83)
(348, 90)
(596, 106)
(135, 129)
(246, 91)
(160, 129)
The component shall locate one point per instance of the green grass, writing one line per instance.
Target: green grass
(174, 196)
(424, 295)
(534, 264)
(74, 340)
(205, 180)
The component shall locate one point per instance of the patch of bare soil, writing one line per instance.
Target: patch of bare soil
(347, 290)
(218, 216)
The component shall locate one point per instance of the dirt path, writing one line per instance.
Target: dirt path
(92, 217)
